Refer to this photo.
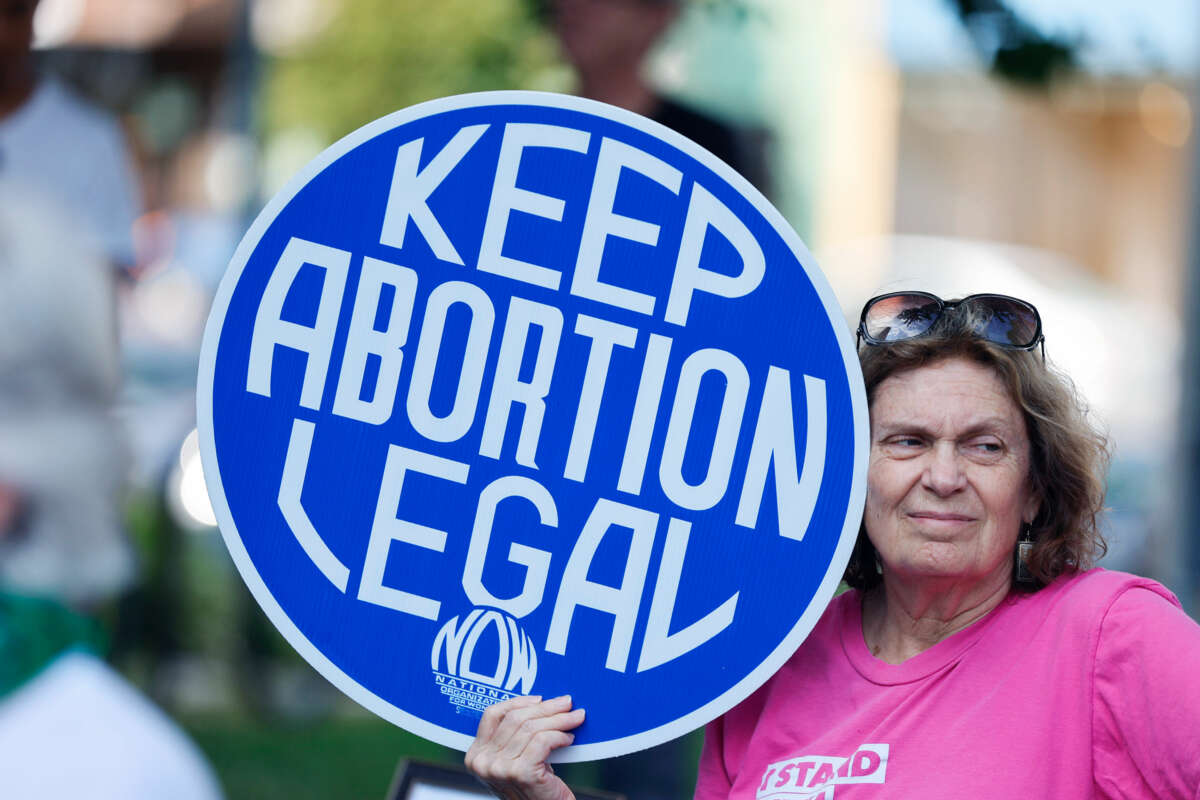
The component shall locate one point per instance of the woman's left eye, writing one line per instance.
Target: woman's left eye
(988, 447)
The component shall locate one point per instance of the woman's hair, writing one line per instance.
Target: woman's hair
(1068, 457)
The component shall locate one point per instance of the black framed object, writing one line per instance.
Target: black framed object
(420, 780)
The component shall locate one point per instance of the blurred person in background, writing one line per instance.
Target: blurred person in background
(67, 214)
(607, 42)
(70, 726)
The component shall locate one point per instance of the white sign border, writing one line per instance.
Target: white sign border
(258, 588)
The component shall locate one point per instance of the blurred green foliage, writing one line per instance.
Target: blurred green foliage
(346, 758)
(377, 56)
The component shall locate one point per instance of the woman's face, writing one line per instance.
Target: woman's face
(948, 483)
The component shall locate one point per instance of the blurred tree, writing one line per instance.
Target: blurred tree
(1015, 49)
(376, 56)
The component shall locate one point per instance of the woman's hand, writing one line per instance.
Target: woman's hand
(513, 742)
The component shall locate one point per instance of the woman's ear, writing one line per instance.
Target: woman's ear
(1033, 504)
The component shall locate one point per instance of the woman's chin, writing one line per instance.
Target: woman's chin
(938, 561)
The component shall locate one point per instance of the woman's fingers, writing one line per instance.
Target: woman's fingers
(515, 739)
(507, 727)
(543, 743)
(494, 715)
(523, 723)
(502, 720)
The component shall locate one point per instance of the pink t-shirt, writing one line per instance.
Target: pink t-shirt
(1087, 688)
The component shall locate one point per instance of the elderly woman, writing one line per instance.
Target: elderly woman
(977, 655)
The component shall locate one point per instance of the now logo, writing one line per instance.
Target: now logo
(515, 659)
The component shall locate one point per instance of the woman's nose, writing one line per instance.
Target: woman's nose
(943, 472)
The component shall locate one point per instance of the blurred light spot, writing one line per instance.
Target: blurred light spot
(1165, 113)
(187, 492)
(171, 304)
(282, 26)
(56, 21)
(229, 172)
(673, 68)
(190, 449)
(286, 153)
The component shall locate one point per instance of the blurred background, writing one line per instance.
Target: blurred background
(1040, 148)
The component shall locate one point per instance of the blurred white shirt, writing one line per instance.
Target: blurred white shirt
(75, 155)
(60, 445)
(78, 730)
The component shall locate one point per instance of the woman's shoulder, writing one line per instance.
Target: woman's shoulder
(1095, 590)
(1145, 697)
(1083, 607)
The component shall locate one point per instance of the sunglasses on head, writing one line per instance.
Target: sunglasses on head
(997, 318)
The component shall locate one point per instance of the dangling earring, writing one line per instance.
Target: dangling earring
(1024, 550)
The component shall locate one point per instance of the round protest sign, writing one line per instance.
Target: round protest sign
(517, 393)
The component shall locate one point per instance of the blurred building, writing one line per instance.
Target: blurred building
(1096, 170)
(1093, 167)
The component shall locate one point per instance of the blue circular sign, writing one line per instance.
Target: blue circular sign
(517, 393)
